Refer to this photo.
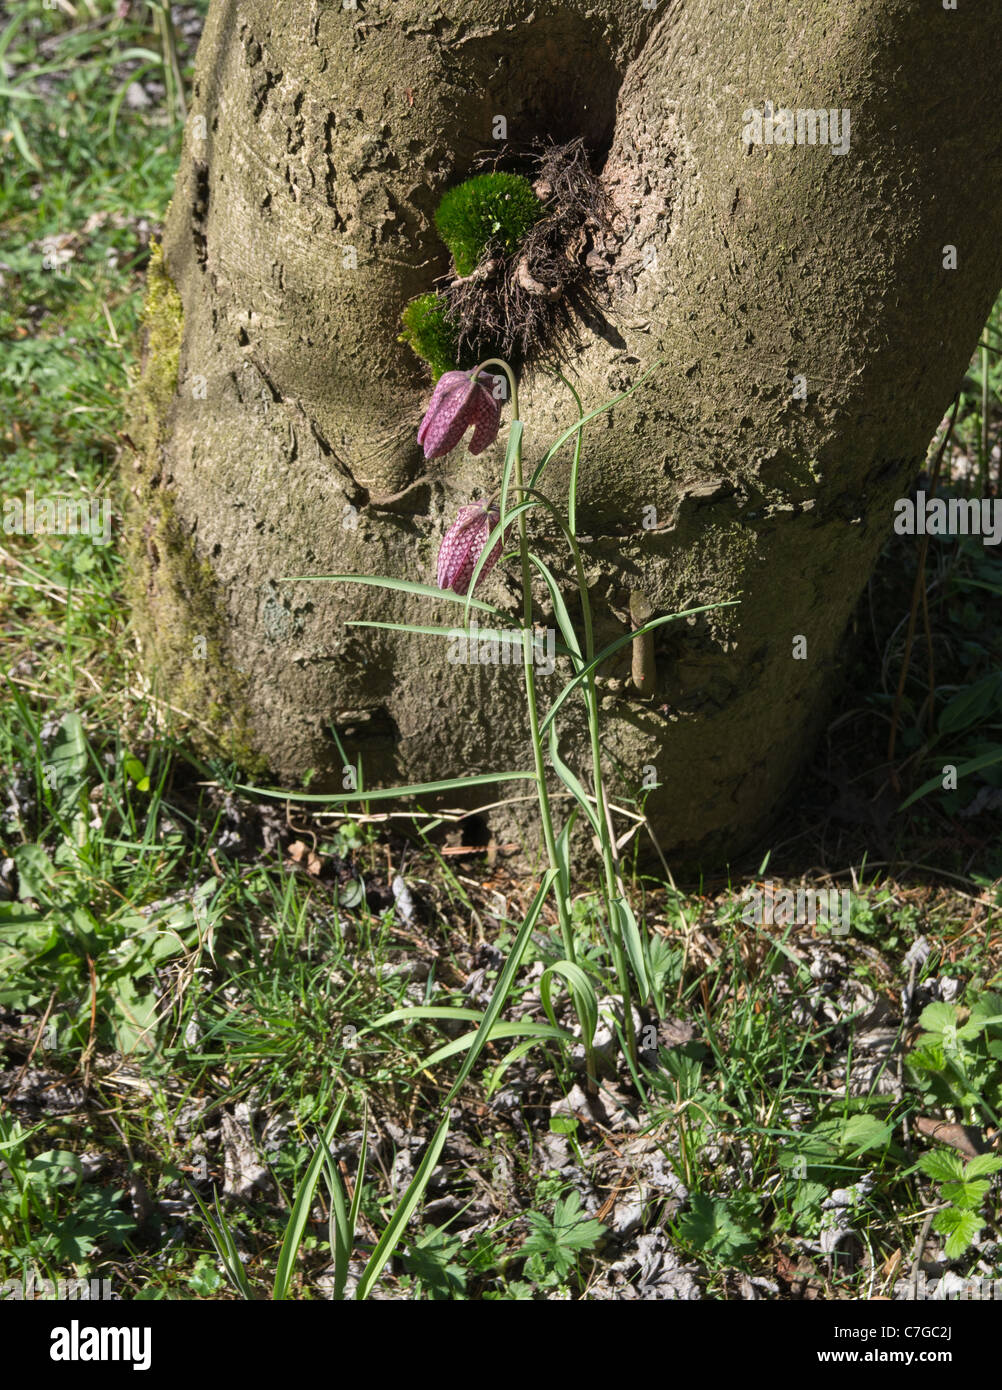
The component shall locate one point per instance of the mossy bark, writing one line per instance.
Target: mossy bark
(319, 142)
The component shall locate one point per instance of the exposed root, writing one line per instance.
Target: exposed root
(526, 307)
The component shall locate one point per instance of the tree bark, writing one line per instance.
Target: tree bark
(278, 410)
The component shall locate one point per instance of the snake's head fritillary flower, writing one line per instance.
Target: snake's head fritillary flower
(462, 546)
(457, 403)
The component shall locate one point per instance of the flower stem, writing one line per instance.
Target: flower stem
(546, 816)
(613, 882)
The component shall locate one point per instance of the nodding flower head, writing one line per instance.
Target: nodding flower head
(462, 546)
(457, 403)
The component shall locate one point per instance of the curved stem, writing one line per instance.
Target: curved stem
(563, 911)
(610, 861)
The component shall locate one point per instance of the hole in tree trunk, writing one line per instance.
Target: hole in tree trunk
(552, 79)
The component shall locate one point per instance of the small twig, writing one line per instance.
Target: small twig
(644, 668)
(34, 1048)
(88, 1052)
(906, 1014)
(930, 657)
(920, 1247)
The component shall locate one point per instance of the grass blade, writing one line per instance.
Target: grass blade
(300, 1213)
(500, 1030)
(480, 779)
(398, 1222)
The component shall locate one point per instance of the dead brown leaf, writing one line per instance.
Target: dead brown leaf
(963, 1138)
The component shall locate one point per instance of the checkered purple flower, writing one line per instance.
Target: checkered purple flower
(457, 403)
(462, 546)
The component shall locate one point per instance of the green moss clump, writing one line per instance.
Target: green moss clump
(430, 334)
(487, 210)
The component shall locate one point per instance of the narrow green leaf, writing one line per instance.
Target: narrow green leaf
(344, 1221)
(572, 490)
(356, 1201)
(583, 420)
(633, 940)
(435, 1011)
(415, 1191)
(500, 1030)
(397, 1224)
(571, 781)
(963, 770)
(481, 634)
(505, 981)
(560, 611)
(481, 779)
(499, 530)
(582, 992)
(300, 1213)
(225, 1246)
(493, 1081)
(404, 586)
(615, 646)
(20, 140)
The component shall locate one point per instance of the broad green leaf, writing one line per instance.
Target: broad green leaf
(928, 1057)
(865, 1132)
(960, 1229)
(938, 1018)
(976, 1025)
(983, 1166)
(135, 769)
(968, 1195)
(942, 1165)
(709, 1226)
(65, 770)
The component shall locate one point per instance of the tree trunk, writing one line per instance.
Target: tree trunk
(279, 409)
